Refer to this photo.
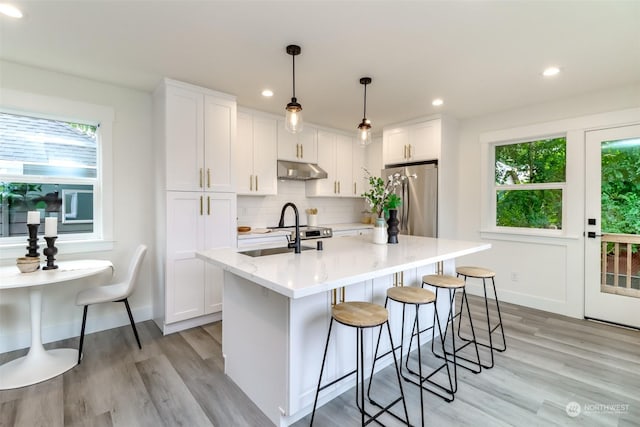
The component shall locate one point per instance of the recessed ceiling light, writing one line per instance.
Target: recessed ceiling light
(437, 102)
(267, 93)
(551, 71)
(9, 10)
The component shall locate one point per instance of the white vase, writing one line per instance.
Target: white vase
(380, 232)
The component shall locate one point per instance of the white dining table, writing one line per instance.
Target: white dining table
(40, 364)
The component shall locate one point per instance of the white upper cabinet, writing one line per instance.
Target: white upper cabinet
(298, 147)
(256, 159)
(335, 154)
(360, 183)
(199, 133)
(412, 143)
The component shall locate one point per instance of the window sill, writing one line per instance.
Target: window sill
(554, 237)
(12, 251)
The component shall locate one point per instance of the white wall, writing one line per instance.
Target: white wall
(133, 220)
(550, 272)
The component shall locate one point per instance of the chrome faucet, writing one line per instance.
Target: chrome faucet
(295, 244)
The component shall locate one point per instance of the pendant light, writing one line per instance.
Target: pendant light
(293, 119)
(364, 128)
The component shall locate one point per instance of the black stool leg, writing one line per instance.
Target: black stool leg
(133, 325)
(504, 342)
(324, 358)
(84, 322)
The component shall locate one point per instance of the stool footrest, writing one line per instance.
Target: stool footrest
(475, 371)
(383, 409)
(448, 397)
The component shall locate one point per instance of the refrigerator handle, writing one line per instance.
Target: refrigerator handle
(403, 211)
(407, 207)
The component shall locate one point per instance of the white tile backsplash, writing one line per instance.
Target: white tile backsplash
(264, 211)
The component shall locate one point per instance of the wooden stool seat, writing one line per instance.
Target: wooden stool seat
(443, 281)
(479, 272)
(411, 295)
(360, 314)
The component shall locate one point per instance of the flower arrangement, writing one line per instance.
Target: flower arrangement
(381, 196)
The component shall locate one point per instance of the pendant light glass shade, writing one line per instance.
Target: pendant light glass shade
(293, 119)
(364, 128)
(364, 132)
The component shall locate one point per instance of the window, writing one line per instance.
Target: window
(529, 183)
(49, 166)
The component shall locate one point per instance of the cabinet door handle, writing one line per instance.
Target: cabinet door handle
(201, 205)
(404, 154)
(409, 150)
(355, 191)
(250, 182)
(200, 177)
(335, 187)
(338, 187)
(301, 151)
(256, 182)
(208, 178)
(297, 151)
(208, 205)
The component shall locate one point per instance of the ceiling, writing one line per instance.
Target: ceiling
(479, 57)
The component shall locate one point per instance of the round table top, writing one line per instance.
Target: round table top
(11, 277)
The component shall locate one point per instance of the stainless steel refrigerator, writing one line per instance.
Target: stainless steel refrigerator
(418, 213)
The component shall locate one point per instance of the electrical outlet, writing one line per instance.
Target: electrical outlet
(515, 277)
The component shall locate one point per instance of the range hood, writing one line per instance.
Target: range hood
(299, 171)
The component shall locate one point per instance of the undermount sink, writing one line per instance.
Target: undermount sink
(272, 251)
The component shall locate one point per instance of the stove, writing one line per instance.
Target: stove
(307, 232)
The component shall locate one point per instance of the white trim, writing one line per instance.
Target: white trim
(170, 328)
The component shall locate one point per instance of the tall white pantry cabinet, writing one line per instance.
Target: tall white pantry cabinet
(194, 139)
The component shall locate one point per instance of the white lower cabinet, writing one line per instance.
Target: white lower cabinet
(195, 221)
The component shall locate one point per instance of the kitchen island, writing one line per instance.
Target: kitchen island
(276, 312)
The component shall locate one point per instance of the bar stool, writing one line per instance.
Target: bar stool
(361, 315)
(484, 273)
(418, 297)
(452, 284)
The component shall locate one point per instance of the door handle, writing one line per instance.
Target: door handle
(256, 182)
(201, 205)
(355, 191)
(593, 235)
(208, 178)
(250, 182)
(404, 155)
(208, 205)
(200, 177)
(338, 187)
(301, 151)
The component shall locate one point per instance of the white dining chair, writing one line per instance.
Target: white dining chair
(118, 292)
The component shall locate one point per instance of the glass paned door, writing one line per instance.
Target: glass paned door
(612, 207)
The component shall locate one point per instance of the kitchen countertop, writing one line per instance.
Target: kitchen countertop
(343, 262)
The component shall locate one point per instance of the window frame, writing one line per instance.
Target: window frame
(562, 186)
(54, 108)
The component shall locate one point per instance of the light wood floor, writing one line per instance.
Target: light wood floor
(178, 380)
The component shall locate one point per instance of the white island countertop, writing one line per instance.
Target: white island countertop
(343, 261)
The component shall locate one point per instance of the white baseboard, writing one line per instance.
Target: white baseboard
(10, 341)
(526, 300)
(170, 328)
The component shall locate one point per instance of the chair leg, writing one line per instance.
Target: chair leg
(133, 325)
(84, 322)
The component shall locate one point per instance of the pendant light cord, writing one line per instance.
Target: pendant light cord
(365, 101)
(293, 57)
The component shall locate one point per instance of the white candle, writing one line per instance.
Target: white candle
(33, 217)
(50, 227)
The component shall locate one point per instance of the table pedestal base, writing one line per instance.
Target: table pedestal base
(36, 367)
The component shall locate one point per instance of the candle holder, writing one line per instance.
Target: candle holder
(33, 241)
(50, 251)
